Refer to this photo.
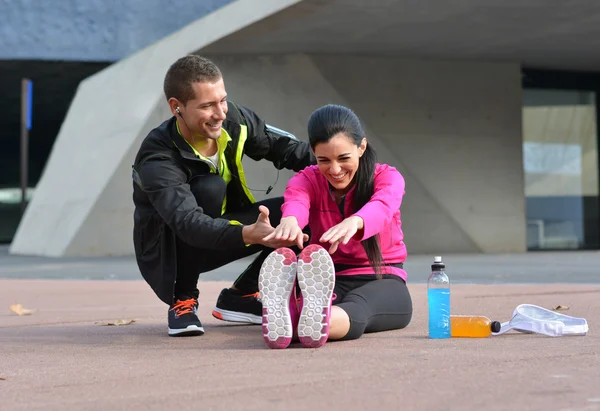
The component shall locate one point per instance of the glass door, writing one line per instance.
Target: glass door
(560, 160)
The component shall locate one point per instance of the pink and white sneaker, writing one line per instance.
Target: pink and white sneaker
(316, 278)
(276, 285)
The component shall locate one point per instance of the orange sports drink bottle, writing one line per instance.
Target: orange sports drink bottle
(471, 326)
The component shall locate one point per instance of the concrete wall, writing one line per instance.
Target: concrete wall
(82, 205)
(453, 130)
(92, 30)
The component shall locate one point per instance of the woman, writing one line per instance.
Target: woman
(352, 206)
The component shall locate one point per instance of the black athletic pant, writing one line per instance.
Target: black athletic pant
(373, 305)
(209, 191)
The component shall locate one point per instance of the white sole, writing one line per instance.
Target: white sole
(316, 278)
(189, 330)
(235, 316)
(275, 283)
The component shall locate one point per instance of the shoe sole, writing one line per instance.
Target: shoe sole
(316, 278)
(189, 331)
(236, 317)
(275, 282)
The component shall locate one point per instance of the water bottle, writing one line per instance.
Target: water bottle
(438, 298)
(473, 326)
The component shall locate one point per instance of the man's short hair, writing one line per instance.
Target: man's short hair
(186, 71)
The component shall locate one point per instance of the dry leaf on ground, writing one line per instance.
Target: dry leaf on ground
(19, 310)
(560, 308)
(116, 322)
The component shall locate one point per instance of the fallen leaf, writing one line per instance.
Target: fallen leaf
(560, 308)
(19, 310)
(116, 322)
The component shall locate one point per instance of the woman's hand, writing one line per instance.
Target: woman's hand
(288, 231)
(342, 233)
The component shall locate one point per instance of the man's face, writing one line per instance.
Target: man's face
(204, 114)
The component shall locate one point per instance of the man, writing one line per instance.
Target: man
(193, 209)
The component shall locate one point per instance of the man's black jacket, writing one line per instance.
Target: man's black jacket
(165, 207)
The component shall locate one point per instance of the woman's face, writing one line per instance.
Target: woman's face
(338, 160)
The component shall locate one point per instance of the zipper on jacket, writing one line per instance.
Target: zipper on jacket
(212, 166)
(342, 205)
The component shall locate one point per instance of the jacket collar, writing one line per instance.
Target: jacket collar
(184, 148)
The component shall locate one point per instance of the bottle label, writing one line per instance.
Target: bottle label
(439, 312)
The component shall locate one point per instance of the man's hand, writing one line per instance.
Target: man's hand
(254, 233)
(342, 233)
(260, 232)
(288, 232)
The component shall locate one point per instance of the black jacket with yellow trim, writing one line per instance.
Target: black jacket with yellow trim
(165, 207)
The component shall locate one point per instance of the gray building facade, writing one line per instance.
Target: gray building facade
(488, 109)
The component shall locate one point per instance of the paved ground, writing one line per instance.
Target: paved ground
(576, 267)
(58, 358)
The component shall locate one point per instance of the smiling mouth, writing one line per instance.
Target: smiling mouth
(218, 125)
(338, 177)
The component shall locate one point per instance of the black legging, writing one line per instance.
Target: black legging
(373, 305)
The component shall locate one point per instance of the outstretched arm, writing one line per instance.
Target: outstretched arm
(378, 212)
(374, 216)
(295, 211)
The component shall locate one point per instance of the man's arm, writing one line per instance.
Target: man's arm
(165, 184)
(277, 146)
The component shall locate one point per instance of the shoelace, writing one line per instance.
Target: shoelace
(182, 307)
(253, 295)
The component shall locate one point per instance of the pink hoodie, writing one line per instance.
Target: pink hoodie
(307, 197)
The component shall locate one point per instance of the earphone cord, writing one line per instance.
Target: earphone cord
(267, 191)
(186, 125)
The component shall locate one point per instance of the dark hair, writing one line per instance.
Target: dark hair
(188, 70)
(323, 124)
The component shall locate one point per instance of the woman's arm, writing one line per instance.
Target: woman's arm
(377, 213)
(295, 211)
(297, 196)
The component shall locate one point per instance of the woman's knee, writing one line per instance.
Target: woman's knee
(339, 323)
(357, 319)
(383, 306)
